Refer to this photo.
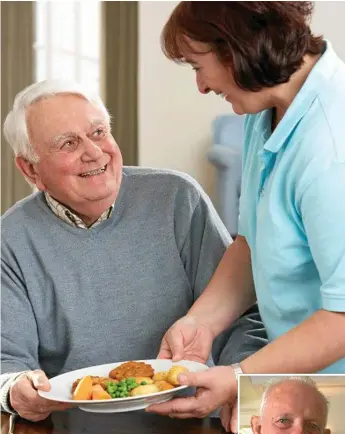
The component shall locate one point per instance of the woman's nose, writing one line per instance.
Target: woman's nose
(202, 87)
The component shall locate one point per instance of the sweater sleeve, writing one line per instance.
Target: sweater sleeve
(19, 339)
(205, 243)
(6, 381)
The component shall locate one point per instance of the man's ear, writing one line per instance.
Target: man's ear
(255, 423)
(27, 169)
(327, 431)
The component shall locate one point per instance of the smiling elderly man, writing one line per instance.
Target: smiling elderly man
(100, 261)
(292, 405)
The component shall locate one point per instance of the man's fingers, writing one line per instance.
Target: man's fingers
(33, 417)
(39, 380)
(57, 406)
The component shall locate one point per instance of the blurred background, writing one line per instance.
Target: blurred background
(160, 119)
(251, 389)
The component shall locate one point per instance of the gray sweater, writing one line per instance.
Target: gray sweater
(73, 298)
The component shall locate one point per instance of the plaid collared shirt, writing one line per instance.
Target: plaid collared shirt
(70, 217)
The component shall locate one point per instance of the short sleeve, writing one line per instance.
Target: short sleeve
(323, 216)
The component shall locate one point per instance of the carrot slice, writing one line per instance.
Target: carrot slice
(99, 393)
(84, 389)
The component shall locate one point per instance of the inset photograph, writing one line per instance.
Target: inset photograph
(298, 404)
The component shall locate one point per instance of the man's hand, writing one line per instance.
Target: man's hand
(27, 402)
(187, 339)
(215, 387)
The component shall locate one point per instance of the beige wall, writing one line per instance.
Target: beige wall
(329, 20)
(174, 119)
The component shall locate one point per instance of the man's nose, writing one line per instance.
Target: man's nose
(202, 87)
(91, 150)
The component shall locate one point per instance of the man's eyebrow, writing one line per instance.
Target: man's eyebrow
(280, 415)
(58, 138)
(95, 122)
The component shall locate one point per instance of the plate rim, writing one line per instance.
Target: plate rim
(128, 399)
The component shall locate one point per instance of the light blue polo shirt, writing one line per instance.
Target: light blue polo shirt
(292, 207)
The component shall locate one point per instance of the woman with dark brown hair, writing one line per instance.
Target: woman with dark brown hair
(289, 255)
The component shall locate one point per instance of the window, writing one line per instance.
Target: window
(67, 41)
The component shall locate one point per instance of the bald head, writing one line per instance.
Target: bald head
(292, 406)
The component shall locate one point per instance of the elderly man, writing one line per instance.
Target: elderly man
(100, 261)
(292, 405)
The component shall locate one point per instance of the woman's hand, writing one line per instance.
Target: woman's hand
(228, 416)
(26, 401)
(187, 339)
(216, 387)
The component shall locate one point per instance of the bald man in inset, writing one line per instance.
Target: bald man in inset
(292, 406)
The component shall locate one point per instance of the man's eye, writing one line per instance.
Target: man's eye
(283, 421)
(313, 428)
(69, 144)
(100, 132)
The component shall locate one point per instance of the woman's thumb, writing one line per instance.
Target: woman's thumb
(39, 380)
(194, 379)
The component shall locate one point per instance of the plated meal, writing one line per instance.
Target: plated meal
(127, 380)
(122, 386)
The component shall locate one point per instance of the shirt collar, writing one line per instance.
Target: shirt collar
(70, 217)
(321, 72)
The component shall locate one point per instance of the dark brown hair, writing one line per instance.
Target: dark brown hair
(262, 42)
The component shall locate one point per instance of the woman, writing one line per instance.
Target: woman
(290, 252)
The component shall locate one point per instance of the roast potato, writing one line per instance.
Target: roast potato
(145, 390)
(173, 374)
(160, 376)
(164, 385)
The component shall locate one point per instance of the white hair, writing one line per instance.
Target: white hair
(15, 126)
(272, 384)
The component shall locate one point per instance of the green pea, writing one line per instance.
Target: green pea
(143, 383)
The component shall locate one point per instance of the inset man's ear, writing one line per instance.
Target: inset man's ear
(255, 423)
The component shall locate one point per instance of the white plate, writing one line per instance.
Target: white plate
(62, 384)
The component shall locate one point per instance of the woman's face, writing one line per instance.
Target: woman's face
(212, 75)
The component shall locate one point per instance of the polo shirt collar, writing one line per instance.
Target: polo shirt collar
(321, 72)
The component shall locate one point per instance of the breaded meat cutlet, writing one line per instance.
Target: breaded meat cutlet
(132, 369)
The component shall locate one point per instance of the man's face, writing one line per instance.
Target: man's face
(80, 164)
(292, 408)
(212, 75)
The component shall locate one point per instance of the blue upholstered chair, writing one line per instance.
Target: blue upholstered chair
(226, 156)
